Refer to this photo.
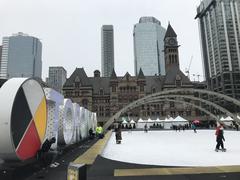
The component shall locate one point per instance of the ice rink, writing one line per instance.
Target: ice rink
(171, 148)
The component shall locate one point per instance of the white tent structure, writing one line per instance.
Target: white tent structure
(159, 122)
(228, 118)
(222, 119)
(132, 122)
(227, 121)
(179, 121)
(124, 122)
(168, 122)
(150, 122)
(141, 121)
(140, 124)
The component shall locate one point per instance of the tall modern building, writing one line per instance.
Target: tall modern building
(219, 24)
(56, 77)
(107, 37)
(148, 46)
(21, 57)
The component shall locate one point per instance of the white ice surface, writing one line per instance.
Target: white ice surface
(170, 148)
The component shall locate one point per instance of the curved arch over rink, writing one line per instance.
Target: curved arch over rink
(178, 92)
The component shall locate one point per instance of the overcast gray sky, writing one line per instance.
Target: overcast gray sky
(70, 30)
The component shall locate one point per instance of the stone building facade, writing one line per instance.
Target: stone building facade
(107, 95)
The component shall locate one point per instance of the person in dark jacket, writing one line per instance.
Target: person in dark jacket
(118, 134)
(46, 146)
(220, 138)
(145, 128)
(47, 154)
(91, 133)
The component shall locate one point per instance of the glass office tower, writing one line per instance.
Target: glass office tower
(148, 47)
(21, 57)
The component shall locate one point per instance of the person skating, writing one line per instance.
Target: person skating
(219, 138)
(194, 128)
(145, 128)
(118, 134)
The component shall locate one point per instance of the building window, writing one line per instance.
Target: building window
(114, 89)
(85, 103)
(77, 93)
(101, 91)
(176, 60)
(77, 84)
(178, 83)
(153, 90)
(141, 88)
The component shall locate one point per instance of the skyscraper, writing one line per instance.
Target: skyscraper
(56, 77)
(107, 50)
(219, 24)
(21, 57)
(148, 46)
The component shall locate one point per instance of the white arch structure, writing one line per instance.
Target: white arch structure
(181, 92)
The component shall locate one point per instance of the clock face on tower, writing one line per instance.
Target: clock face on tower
(172, 41)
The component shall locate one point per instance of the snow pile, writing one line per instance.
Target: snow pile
(171, 148)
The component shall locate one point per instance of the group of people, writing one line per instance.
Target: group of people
(98, 132)
(47, 154)
(180, 127)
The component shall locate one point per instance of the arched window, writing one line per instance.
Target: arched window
(153, 90)
(85, 103)
(173, 60)
(176, 60)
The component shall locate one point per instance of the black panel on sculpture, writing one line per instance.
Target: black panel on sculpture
(2, 81)
(21, 117)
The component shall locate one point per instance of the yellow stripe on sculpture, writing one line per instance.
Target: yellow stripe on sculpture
(40, 119)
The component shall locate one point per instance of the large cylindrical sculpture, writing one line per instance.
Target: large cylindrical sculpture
(83, 123)
(66, 123)
(23, 119)
(94, 120)
(76, 110)
(54, 100)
